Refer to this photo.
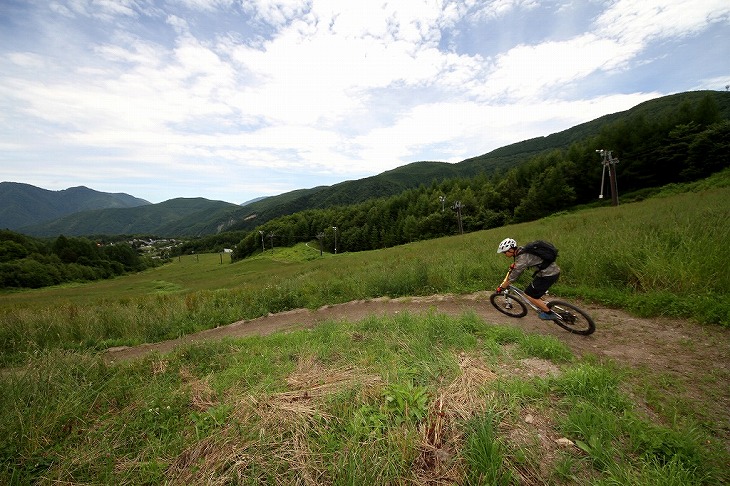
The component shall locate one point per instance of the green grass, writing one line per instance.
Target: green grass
(394, 400)
(391, 400)
(484, 453)
(662, 256)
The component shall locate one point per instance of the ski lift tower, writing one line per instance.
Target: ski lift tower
(609, 162)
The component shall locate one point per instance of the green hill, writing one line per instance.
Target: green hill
(653, 112)
(176, 217)
(675, 138)
(24, 204)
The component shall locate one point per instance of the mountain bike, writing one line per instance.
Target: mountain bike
(513, 302)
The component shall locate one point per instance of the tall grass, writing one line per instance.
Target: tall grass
(484, 454)
(661, 256)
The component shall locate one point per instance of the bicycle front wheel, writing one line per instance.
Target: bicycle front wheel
(508, 305)
(572, 318)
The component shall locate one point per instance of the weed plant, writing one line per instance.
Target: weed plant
(396, 400)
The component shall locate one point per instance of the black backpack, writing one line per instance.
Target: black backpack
(544, 250)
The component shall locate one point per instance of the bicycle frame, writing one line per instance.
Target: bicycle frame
(521, 295)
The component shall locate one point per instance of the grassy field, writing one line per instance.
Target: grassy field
(402, 400)
(663, 256)
(407, 399)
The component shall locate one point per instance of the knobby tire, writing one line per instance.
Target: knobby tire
(508, 305)
(573, 319)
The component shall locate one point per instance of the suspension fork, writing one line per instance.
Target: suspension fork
(507, 298)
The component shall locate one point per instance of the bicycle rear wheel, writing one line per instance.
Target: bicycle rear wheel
(508, 305)
(572, 318)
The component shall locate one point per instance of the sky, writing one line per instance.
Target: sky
(234, 100)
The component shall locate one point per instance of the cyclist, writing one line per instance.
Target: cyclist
(542, 279)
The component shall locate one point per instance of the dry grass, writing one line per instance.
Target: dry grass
(442, 438)
(279, 426)
(202, 396)
(268, 437)
(284, 422)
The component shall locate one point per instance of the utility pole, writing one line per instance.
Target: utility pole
(263, 249)
(443, 200)
(335, 228)
(271, 235)
(609, 162)
(457, 207)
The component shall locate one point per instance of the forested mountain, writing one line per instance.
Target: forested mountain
(175, 217)
(24, 204)
(675, 138)
(616, 130)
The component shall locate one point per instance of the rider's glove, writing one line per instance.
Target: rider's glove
(511, 267)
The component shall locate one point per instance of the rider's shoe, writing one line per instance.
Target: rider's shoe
(548, 316)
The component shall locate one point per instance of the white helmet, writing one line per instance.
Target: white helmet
(506, 245)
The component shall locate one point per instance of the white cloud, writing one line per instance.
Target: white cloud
(641, 21)
(499, 8)
(206, 5)
(532, 71)
(337, 89)
(276, 12)
(105, 10)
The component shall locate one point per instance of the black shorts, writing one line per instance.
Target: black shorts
(540, 285)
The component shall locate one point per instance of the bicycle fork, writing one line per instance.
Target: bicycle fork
(507, 300)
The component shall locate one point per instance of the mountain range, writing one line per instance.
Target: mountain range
(26, 205)
(80, 211)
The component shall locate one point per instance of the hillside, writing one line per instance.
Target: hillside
(413, 175)
(655, 141)
(388, 183)
(23, 204)
(176, 217)
(507, 156)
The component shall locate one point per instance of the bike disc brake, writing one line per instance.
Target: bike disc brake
(566, 316)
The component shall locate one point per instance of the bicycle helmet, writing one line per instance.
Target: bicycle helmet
(506, 245)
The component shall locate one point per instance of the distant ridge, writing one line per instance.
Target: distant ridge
(412, 175)
(23, 204)
(253, 200)
(175, 217)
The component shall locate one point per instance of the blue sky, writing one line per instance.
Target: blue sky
(233, 100)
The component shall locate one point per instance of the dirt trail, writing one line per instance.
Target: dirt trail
(696, 356)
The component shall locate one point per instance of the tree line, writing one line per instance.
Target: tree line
(684, 143)
(27, 262)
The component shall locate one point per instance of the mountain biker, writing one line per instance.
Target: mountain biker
(542, 279)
